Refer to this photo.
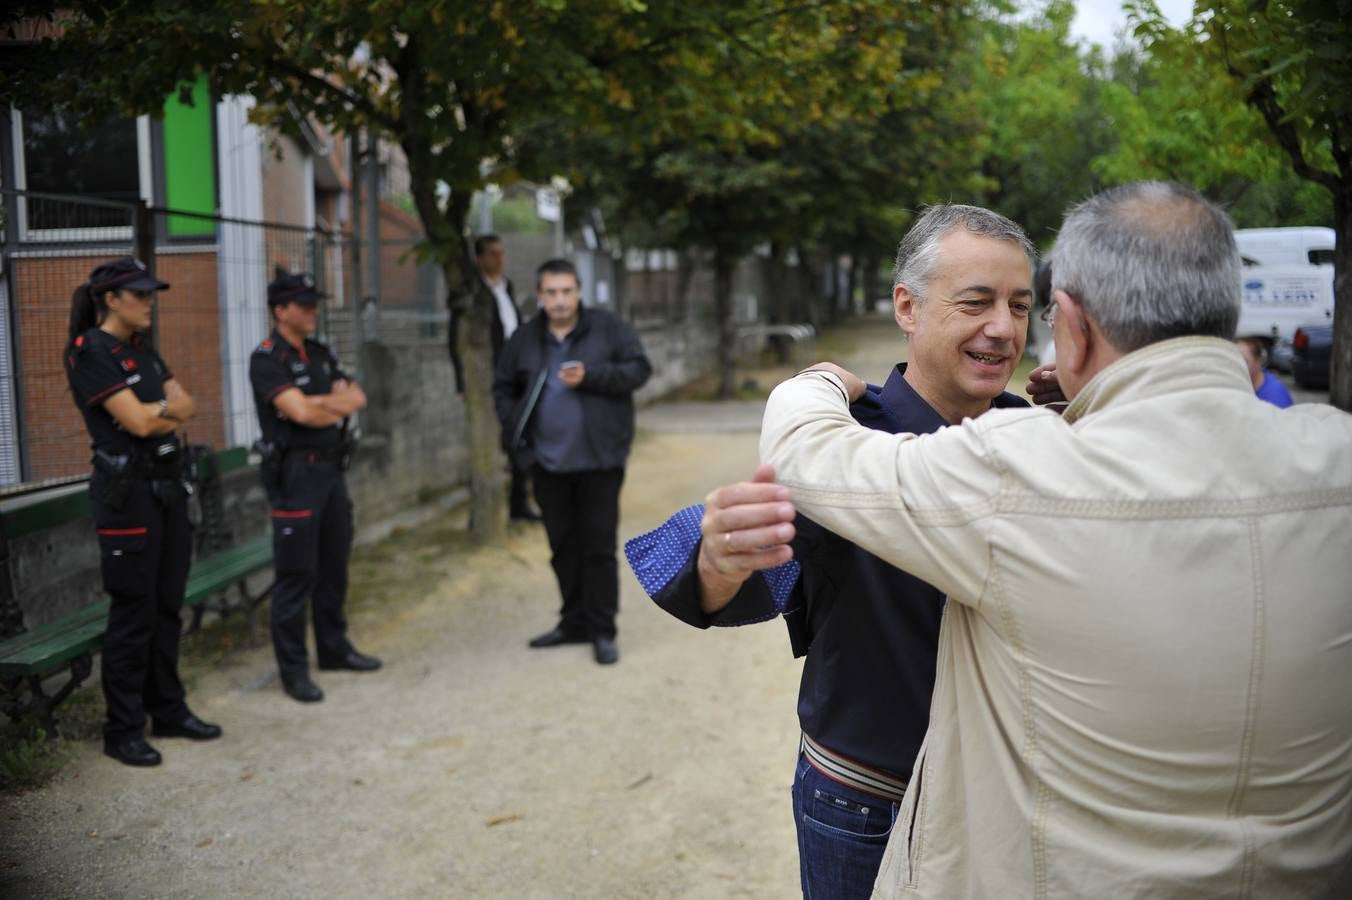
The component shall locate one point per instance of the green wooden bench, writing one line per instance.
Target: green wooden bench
(27, 659)
(214, 575)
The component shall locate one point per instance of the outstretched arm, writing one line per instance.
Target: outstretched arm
(667, 560)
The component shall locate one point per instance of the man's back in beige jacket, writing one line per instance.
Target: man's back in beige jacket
(1143, 671)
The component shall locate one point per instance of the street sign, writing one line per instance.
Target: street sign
(547, 204)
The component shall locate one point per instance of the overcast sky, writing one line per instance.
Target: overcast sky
(1097, 21)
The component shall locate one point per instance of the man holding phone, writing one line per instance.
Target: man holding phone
(564, 394)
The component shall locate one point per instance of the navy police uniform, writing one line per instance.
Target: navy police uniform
(139, 504)
(311, 510)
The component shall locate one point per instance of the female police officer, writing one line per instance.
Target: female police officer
(131, 405)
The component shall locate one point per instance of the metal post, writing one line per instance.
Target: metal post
(372, 237)
(485, 212)
(11, 200)
(354, 230)
(143, 233)
(558, 231)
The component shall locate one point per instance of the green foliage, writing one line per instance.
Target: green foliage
(1283, 200)
(1041, 106)
(1176, 119)
(1293, 61)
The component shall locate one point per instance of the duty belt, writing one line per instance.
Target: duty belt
(851, 773)
(333, 454)
(139, 465)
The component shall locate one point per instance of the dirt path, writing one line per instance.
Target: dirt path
(470, 766)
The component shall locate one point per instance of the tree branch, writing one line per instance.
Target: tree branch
(359, 101)
(1263, 96)
(1341, 157)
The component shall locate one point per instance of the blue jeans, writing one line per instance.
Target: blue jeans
(842, 834)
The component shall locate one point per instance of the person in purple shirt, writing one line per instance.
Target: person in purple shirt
(1264, 385)
(962, 293)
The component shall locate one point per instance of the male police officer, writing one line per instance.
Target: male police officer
(304, 401)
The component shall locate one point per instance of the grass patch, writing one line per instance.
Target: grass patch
(29, 760)
(405, 563)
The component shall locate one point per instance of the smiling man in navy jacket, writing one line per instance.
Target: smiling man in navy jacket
(962, 293)
(564, 391)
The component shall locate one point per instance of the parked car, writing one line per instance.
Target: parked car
(1312, 355)
(1288, 281)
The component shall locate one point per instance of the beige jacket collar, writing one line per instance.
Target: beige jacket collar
(1183, 363)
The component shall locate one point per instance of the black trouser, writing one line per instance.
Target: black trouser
(146, 548)
(311, 544)
(581, 513)
(520, 490)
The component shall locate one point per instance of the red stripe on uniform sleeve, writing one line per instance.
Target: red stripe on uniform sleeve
(107, 392)
(267, 398)
(291, 513)
(122, 531)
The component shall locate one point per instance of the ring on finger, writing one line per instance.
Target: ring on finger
(727, 541)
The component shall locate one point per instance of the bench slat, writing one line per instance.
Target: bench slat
(41, 658)
(97, 612)
(47, 647)
(225, 568)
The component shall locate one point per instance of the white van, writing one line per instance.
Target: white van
(1287, 283)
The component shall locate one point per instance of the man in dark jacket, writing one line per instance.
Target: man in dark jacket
(564, 394)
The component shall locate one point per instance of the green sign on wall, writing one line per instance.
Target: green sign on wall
(189, 173)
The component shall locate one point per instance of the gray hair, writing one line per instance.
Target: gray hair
(918, 252)
(1150, 261)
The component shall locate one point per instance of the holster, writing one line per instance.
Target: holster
(168, 491)
(161, 465)
(118, 468)
(271, 455)
(348, 448)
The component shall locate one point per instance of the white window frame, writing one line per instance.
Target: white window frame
(145, 178)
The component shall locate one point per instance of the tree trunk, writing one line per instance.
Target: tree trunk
(873, 291)
(727, 326)
(488, 507)
(812, 303)
(471, 304)
(1340, 378)
(852, 284)
(775, 310)
(469, 298)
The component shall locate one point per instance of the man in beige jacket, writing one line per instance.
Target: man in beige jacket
(1144, 664)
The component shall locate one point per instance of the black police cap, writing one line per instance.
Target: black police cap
(126, 274)
(299, 288)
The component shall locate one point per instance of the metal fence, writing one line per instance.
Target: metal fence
(206, 325)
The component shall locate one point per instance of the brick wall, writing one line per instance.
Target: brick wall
(57, 442)
(190, 338)
(54, 435)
